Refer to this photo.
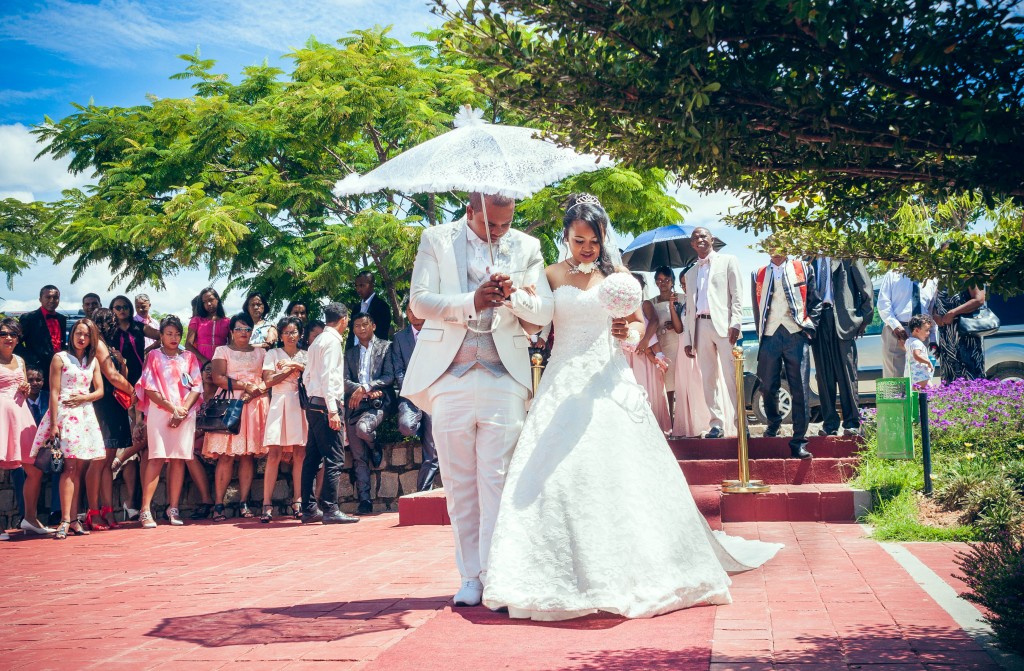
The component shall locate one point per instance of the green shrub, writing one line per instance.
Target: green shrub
(995, 574)
(959, 477)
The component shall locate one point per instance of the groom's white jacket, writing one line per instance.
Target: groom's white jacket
(440, 294)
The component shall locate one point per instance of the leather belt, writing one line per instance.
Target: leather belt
(703, 316)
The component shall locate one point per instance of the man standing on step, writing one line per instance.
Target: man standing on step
(712, 319)
(847, 308)
(786, 313)
(471, 368)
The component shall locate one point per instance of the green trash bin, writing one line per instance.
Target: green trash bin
(894, 401)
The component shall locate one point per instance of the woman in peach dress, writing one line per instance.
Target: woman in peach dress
(169, 389)
(648, 368)
(239, 366)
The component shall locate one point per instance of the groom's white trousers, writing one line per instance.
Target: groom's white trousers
(477, 421)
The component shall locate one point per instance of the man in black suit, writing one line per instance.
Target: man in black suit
(43, 333)
(373, 305)
(411, 420)
(369, 396)
(846, 311)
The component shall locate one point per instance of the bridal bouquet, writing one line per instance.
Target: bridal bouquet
(620, 294)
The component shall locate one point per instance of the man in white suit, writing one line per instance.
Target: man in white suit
(714, 312)
(471, 367)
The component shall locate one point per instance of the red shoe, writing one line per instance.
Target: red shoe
(94, 521)
(107, 513)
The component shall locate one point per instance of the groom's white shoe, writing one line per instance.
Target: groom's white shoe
(470, 593)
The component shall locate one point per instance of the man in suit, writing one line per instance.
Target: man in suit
(847, 308)
(369, 396)
(411, 420)
(899, 299)
(786, 313)
(43, 333)
(714, 312)
(471, 366)
(371, 304)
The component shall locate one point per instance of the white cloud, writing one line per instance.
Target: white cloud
(113, 33)
(13, 97)
(21, 174)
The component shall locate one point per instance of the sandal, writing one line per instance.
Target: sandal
(107, 515)
(147, 520)
(77, 528)
(93, 520)
(62, 530)
(202, 511)
(243, 511)
(297, 510)
(218, 513)
(268, 513)
(173, 515)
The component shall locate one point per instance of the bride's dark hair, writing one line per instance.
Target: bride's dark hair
(587, 208)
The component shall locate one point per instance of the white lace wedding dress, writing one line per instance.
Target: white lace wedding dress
(596, 514)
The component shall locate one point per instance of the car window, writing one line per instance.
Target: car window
(1009, 310)
(876, 322)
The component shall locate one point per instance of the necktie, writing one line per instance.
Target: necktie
(822, 276)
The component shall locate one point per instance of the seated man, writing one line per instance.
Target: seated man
(411, 420)
(369, 396)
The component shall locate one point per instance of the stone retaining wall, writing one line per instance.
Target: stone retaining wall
(395, 477)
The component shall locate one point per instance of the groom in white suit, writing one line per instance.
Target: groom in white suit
(471, 367)
(714, 312)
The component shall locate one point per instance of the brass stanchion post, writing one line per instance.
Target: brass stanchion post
(536, 367)
(744, 485)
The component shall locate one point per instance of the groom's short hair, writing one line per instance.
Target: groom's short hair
(335, 312)
(476, 200)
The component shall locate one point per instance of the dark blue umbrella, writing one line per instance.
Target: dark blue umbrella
(665, 246)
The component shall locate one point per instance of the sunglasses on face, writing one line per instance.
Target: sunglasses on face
(121, 308)
(7, 334)
(243, 330)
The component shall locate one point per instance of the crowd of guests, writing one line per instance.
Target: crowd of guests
(805, 309)
(119, 393)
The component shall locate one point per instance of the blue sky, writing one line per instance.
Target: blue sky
(116, 52)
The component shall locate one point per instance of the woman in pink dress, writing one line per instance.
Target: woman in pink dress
(208, 328)
(648, 373)
(17, 427)
(170, 386)
(286, 421)
(691, 413)
(75, 384)
(240, 366)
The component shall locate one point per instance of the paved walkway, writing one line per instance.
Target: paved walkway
(374, 596)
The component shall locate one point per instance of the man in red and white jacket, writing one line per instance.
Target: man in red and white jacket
(786, 312)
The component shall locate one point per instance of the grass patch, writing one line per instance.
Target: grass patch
(896, 519)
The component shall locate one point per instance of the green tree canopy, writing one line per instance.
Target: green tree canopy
(238, 178)
(837, 110)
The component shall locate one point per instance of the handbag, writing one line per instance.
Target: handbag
(303, 395)
(123, 399)
(981, 322)
(49, 458)
(221, 414)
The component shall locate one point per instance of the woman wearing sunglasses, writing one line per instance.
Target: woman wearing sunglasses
(238, 367)
(168, 391)
(17, 427)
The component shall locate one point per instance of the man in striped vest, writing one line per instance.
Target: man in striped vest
(786, 313)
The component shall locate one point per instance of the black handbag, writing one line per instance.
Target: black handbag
(50, 458)
(303, 396)
(981, 322)
(221, 414)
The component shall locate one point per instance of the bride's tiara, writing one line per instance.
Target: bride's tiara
(585, 199)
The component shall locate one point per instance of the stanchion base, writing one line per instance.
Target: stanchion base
(737, 487)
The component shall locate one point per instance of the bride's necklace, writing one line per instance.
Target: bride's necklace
(581, 268)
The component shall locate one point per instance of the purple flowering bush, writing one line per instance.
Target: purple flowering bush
(984, 417)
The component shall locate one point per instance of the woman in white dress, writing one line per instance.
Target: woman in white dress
(596, 514)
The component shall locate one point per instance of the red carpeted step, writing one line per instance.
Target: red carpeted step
(709, 502)
(762, 448)
(771, 471)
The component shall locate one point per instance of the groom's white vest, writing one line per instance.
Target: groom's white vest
(441, 295)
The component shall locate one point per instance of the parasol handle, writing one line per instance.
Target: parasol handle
(487, 228)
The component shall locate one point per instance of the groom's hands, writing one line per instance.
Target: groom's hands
(493, 292)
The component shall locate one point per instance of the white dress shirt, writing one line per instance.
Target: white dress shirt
(325, 372)
(824, 279)
(364, 306)
(896, 298)
(479, 267)
(364, 366)
(703, 277)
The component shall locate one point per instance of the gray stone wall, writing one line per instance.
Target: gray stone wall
(395, 477)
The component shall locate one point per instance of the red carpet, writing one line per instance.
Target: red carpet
(476, 638)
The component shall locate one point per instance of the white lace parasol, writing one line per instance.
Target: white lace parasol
(475, 156)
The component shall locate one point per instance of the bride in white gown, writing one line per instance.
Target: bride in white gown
(596, 514)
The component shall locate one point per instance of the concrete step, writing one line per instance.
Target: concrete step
(827, 502)
(762, 448)
(771, 471)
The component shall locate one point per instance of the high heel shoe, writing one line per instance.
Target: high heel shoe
(147, 520)
(93, 521)
(201, 512)
(62, 530)
(107, 515)
(77, 529)
(297, 510)
(129, 513)
(33, 529)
